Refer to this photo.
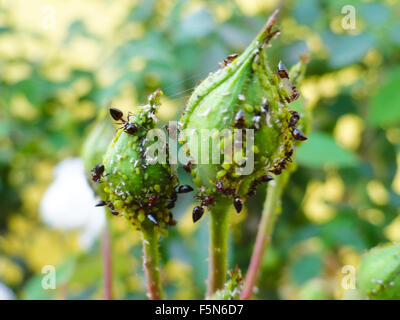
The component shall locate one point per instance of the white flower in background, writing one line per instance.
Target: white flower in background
(6, 293)
(69, 203)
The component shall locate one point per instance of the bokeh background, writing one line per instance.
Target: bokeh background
(61, 62)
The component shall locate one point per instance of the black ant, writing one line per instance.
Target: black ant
(228, 60)
(282, 71)
(117, 115)
(197, 213)
(172, 200)
(239, 120)
(187, 167)
(97, 172)
(238, 204)
(102, 203)
(184, 188)
(255, 183)
(289, 154)
(294, 119)
(298, 135)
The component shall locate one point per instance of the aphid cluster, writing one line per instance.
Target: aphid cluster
(142, 191)
(243, 94)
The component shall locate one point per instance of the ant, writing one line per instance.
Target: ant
(187, 167)
(184, 188)
(294, 119)
(102, 203)
(298, 135)
(228, 60)
(117, 115)
(289, 154)
(197, 213)
(282, 71)
(97, 172)
(238, 204)
(239, 120)
(172, 201)
(255, 183)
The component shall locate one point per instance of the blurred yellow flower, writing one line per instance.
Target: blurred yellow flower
(377, 192)
(348, 131)
(252, 7)
(392, 231)
(10, 272)
(319, 194)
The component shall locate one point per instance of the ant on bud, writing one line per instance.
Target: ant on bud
(298, 135)
(255, 183)
(97, 172)
(187, 167)
(238, 204)
(228, 60)
(102, 203)
(282, 71)
(197, 213)
(172, 201)
(117, 115)
(184, 188)
(239, 120)
(294, 119)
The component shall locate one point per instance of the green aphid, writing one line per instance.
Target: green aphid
(379, 273)
(245, 95)
(131, 180)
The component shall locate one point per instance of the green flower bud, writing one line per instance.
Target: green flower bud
(95, 145)
(379, 273)
(244, 94)
(139, 189)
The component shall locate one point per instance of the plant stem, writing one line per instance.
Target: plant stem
(107, 265)
(270, 212)
(151, 262)
(218, 263)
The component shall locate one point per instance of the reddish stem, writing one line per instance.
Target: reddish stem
(265, 228)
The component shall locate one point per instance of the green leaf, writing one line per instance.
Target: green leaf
(321, 149)
(384, 108)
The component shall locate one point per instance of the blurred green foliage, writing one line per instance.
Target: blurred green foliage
(343, 198)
